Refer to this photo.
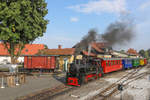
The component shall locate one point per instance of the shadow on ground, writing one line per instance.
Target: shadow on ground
(60, 76)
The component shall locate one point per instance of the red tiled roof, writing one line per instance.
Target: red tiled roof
(65, 51)
(96, 47)
(100, 44)
(86, 53)
(132, 51)
(30, 49)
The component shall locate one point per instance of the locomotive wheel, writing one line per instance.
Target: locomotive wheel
(103, 74)
(81, 79)
(67, 77)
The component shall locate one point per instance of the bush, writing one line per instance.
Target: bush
(4, 69)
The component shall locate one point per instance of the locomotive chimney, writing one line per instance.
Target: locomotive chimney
(59, 47)
(89, 49)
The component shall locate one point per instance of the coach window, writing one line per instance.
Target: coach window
(106, 63)
(111, 62)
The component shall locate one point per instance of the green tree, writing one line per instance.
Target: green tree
(142, 53)
(146, 54)
(21, 22)
(45, 47)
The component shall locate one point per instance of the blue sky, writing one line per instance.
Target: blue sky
(70, 20)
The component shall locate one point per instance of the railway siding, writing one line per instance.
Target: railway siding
(125, 81)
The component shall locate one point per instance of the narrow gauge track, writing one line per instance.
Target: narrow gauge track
(48, 94)
(124, 81)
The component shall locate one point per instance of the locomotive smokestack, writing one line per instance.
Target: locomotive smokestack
(89, 49)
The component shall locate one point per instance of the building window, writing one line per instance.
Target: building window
(26, 50)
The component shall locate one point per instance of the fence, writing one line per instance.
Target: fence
(11, 80)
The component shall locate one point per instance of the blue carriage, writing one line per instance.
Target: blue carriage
(127, 63)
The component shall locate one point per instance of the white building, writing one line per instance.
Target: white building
(30, 49)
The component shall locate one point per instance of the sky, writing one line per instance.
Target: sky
(70, 20)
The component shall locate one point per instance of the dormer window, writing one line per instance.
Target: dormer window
(26, 50)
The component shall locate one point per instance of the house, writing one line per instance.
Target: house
(30, 49)
(65, 56)
(97, 49)
(119, 54)
(133, 53)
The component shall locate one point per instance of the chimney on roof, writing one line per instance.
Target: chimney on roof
(59, 47)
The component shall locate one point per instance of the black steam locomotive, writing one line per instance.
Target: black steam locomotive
(83, 70)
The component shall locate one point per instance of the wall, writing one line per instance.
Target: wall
(61, 61)
(7, 59)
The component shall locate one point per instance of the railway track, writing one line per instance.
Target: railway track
(113, 89)
(48, 94)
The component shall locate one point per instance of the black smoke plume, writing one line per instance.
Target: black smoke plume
(119, 33)
(86, 40)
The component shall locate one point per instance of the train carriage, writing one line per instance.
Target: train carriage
(135, 62)
(127, 63)
(111, 64)
(145, 61)
(141, 62)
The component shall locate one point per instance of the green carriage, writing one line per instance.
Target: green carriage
(135, 62)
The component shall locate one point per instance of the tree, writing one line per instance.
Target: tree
(146, 54)
(142, 53)
(45, 47)
(21, 22)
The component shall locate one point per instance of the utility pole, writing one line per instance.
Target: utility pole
(120, 88)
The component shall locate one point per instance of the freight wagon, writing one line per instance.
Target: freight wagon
(43, 63)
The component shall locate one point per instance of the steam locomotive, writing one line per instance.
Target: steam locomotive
(83, 70)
